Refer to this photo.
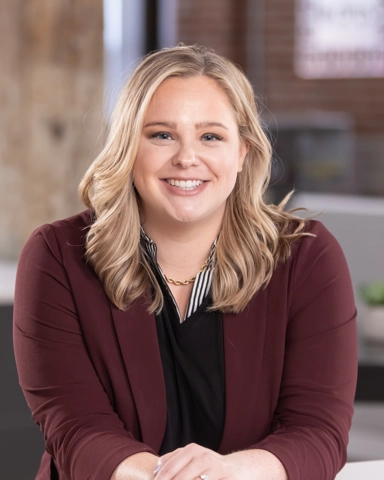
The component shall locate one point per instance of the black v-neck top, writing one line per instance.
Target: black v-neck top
(192, 355)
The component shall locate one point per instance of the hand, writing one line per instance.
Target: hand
(190, 462)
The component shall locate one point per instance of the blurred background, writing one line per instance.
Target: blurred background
(318, 70)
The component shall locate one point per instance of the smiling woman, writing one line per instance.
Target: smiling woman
(190, 330)
(186, 171)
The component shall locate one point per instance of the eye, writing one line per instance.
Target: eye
(161, 136)
(212, 137)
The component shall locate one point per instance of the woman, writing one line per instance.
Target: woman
(181, 327)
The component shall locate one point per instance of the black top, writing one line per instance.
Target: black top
(192, 354)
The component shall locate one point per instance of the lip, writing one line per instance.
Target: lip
(184, 178)
(184, 193)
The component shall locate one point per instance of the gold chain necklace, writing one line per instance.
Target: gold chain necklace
(185, 282)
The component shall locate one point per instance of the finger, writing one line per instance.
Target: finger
(198, 469)
(191, 462)
(164, 458)
(158, 467)
(174, 464)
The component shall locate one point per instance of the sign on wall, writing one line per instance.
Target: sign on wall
(339, 38)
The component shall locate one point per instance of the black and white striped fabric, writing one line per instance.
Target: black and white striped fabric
(201, 285)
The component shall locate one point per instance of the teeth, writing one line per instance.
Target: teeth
(185, 184)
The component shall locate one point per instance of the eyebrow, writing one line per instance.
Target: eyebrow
(161, 124)
(210, 124)
(197, 125)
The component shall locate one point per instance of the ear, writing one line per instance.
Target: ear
(244, 149)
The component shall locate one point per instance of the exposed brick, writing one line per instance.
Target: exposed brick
(217, 24)
(362, 98)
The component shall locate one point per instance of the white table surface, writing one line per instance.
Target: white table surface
(373, 470)
(7, 281)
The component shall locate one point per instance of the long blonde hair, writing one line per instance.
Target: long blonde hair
(255, 236)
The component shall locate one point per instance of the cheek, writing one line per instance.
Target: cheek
(140, 167)
(230, 167)
(232, 173)
(149, 161)
(135, 173)
(139, 175)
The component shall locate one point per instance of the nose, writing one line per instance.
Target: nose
(185, 157)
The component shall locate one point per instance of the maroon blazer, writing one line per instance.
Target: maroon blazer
(92, 374)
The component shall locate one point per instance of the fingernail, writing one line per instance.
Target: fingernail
(157, 469)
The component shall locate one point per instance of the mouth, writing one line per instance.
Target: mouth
(184, 184)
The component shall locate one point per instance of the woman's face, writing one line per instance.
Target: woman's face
(189, 153)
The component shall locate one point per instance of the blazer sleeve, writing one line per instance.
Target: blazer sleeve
(315, 406)
(83, 434)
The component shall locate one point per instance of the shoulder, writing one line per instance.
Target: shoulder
(60, 236)
(71, 229)
(318, 240)
(318, 261)
(315, 257)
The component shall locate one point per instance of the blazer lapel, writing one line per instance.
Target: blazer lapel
(137, 335)
(243, 348)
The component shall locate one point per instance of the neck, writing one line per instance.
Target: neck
(182, 249)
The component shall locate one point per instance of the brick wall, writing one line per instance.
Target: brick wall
(217, 24)
(285, 92)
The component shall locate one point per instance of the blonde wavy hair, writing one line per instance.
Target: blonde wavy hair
(254, 237)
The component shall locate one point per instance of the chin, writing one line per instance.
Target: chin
(187, 218)
(196, 217)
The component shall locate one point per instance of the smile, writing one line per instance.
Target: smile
(184, 184)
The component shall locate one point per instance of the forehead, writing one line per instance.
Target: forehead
(197, 94)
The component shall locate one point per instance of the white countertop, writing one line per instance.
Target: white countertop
(373, 470)
(7, 281)
(337, 203)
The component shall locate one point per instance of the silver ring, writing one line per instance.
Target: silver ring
(205, 477)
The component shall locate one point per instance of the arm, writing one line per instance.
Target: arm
(137, 467)
(315, 407)
(83, 433)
